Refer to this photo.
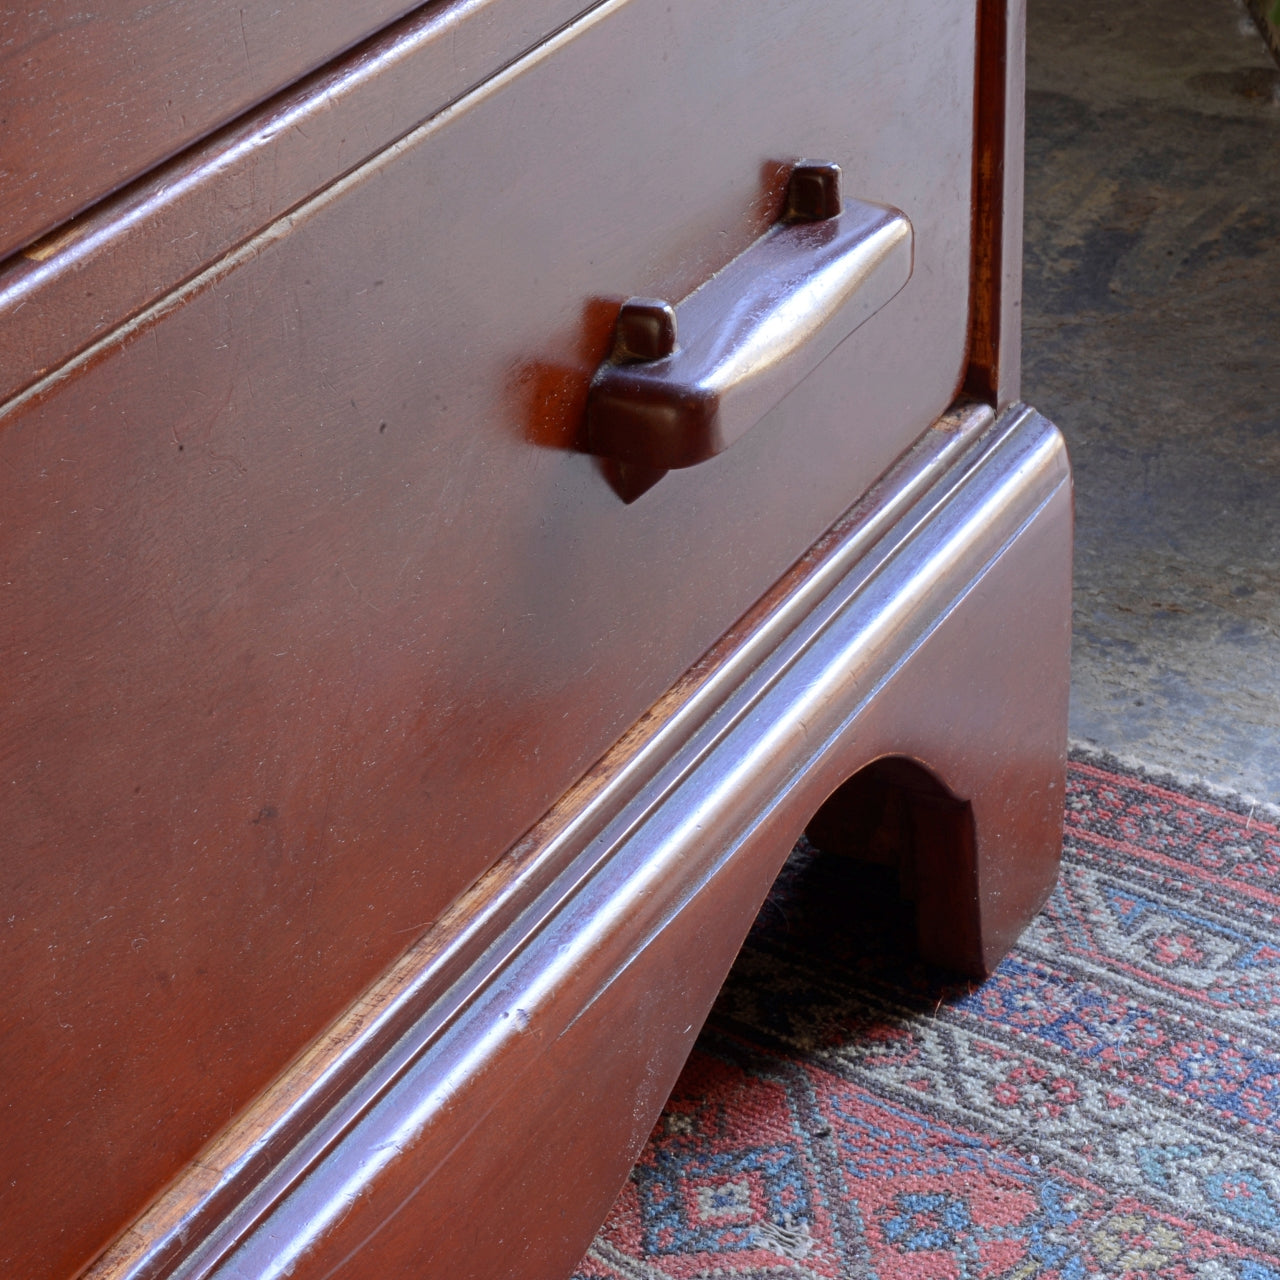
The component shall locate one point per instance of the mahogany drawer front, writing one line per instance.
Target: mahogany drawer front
(313, 605)
(90, 99)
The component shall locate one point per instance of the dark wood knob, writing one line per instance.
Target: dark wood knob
(684, 382)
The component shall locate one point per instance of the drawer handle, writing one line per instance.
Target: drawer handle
(684, 382)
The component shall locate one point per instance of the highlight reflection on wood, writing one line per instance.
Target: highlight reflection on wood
(374, 771)
(678, 392)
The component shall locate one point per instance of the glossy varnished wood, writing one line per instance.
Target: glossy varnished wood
(521, 1093)
(683, 383)
(317, 605)
(89, 276)
(94, 97)
(995, 326)
(254, 1157)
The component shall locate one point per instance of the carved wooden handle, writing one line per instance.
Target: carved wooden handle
(685, 382)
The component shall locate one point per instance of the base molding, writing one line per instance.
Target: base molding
(476, 1112)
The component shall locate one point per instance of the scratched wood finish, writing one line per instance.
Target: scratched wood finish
(88, 277)
(998, 668)
(289, 1116)
(569, 1063)
(92, 97)
(316, 607)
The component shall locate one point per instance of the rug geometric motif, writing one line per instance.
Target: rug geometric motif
(1106, 1105)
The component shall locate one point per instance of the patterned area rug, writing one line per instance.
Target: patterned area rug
(1106, 1105)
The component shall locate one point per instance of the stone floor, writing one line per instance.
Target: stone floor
(1152, 336)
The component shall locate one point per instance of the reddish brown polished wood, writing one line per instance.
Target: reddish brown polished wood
(316, 605)
(94, 98)
(683, 383)
(247, 1162)
(567, 1039)
(90, 275)
(995, 327)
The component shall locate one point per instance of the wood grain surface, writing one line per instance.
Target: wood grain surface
(253, 1156)
(495, 1137)
(995, 323)
(316, 606)
(94, 96)
(92, 274)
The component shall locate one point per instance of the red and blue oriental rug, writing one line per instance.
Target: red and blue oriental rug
(1107, 1105)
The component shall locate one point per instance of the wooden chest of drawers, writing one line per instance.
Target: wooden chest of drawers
(396, 751)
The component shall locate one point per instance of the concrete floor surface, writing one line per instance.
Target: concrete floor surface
(1152, 336)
